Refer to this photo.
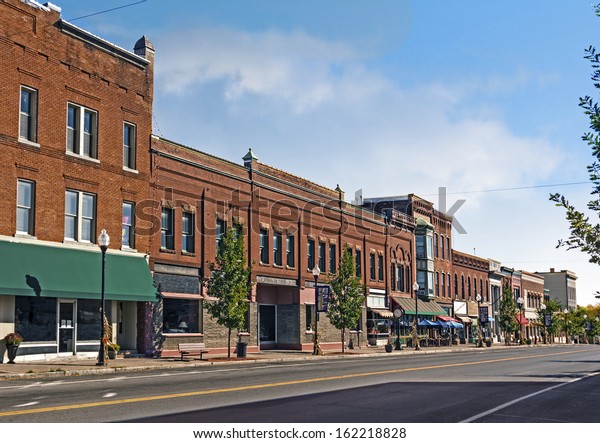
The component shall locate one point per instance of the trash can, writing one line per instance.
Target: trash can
(241, 349)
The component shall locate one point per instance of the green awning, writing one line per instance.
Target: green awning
(28, 269)
(424, 307)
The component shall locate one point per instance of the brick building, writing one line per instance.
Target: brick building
(291, 225)
(533, 295)
(75, 121)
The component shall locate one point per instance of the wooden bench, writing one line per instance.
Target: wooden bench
(192, 349)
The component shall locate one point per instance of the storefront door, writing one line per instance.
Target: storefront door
(66, 326)
(267, 322)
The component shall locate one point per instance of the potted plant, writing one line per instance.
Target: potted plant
(488, 342)
(12, 342)
(388, 346)
(112, 349)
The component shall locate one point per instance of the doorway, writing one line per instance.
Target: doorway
(66, 326)
(268, 329)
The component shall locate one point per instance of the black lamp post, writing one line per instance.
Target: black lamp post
(545, 331)
(103, 240)
(566, 311)
(416, 289)
(316, 272)
(479, 328)
(521, 303)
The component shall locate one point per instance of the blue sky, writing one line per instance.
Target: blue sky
(389, 96)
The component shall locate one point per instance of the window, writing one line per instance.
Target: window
(358, 263)
(166, 230)
(127, 227)
(80, 216)
(372, 266)
(435, 245)
(219, 232)
(332, 259)
(437, 284)
(181, 316)
(277, 252)
(82, 131)
(443, 282)
(380, 267)
(129, 145)
(310, 313)
(393, 275)
(469, 287)
(264, 245)
(310, 253)
(449, 285)
(289, 251)
(25, 207)
(187, 232)
(28, 115)
(429, 246)
(448, 247)
(322, 247)
(442, 245)
(420, 245)
(400, 278)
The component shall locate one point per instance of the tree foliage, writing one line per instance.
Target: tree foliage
(585, 235)
(230, 283)
(345, 304)
(552, 308)
(508, 312)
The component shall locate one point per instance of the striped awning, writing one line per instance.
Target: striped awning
(382, 312)
(424, 307)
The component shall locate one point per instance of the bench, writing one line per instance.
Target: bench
(192, 349)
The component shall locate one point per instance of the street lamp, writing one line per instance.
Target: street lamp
(416, 335)
(103, 240)
(316, 272)
(566, 311)
(543, 308)
(480, 338)
(521, 303)
(585, 334)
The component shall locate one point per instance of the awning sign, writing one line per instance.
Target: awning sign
(483, 314)
(322, 294)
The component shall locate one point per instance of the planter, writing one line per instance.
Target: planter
(488, 343)
(389, 348)
(112, 354)
(11, 351)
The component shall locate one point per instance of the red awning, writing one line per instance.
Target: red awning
(444, 318)
(522, 320)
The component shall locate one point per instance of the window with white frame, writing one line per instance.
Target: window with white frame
(372, 266)
(322, 247)
(82, 131)
(332, 259)
(167, 239)
(264, 245)
(289, 251)
(310, 253)
(187, 232)
(380, 267)
(129, 145)
(28, 114)
(80, 216)
(277, 252)
(25, 207)
(127, 225)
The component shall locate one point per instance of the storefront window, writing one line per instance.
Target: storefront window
(88, 319)
(181, 316)
(35, 318)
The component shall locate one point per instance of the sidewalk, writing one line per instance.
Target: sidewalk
(86, 366)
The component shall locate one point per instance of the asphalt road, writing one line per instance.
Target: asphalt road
(552, 384)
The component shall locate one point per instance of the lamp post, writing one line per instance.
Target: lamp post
(543, 308)
(316, 272)
(566, 311)
(480, 338)
(585, 328)
(416, 289)
(103, 240)
(521, 303)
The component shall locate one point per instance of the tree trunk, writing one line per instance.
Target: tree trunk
(229, 343)
(343, 339)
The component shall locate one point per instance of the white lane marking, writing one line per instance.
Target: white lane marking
(109, 395)
(525, 397)
(26, 404)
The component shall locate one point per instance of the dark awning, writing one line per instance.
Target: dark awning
(424, 307)
(43, 270)
(382, 312)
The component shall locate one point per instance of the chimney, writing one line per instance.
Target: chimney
(551, 269)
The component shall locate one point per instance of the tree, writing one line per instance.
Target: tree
(585, 235)
(508, 313)
(345, 304)
(230, 282)
(551, 307)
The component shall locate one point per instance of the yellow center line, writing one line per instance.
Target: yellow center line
(267, 385)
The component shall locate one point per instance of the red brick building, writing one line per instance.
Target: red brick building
(75, 123)
(291, 226)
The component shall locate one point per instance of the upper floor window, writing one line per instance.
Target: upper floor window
(358, 263)
(400, 278)
(393, 275)
(322, 247)
(129, 145)
(82, 131)
(127, 225)
(443, 247)
(310, 253)
(167, 238)
(219, 232)
(264, 245)
(443, 282)
(332, 259)
(289, 251)
(448, 247)
(435, 245)
(372, 270)
(80, 216)
(277, 249)
(25, 207)
(380, 267)
(28, 115)
(187, 232)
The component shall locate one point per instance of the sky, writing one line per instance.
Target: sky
(389, 96)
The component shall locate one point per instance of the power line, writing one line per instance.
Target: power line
(513, 189)
(106, 10)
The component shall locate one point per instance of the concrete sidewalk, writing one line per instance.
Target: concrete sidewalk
(71, 366)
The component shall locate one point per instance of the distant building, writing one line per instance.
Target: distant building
(561, 286)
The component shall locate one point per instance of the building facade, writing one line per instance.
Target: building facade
(75, 120)
(561, 286)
